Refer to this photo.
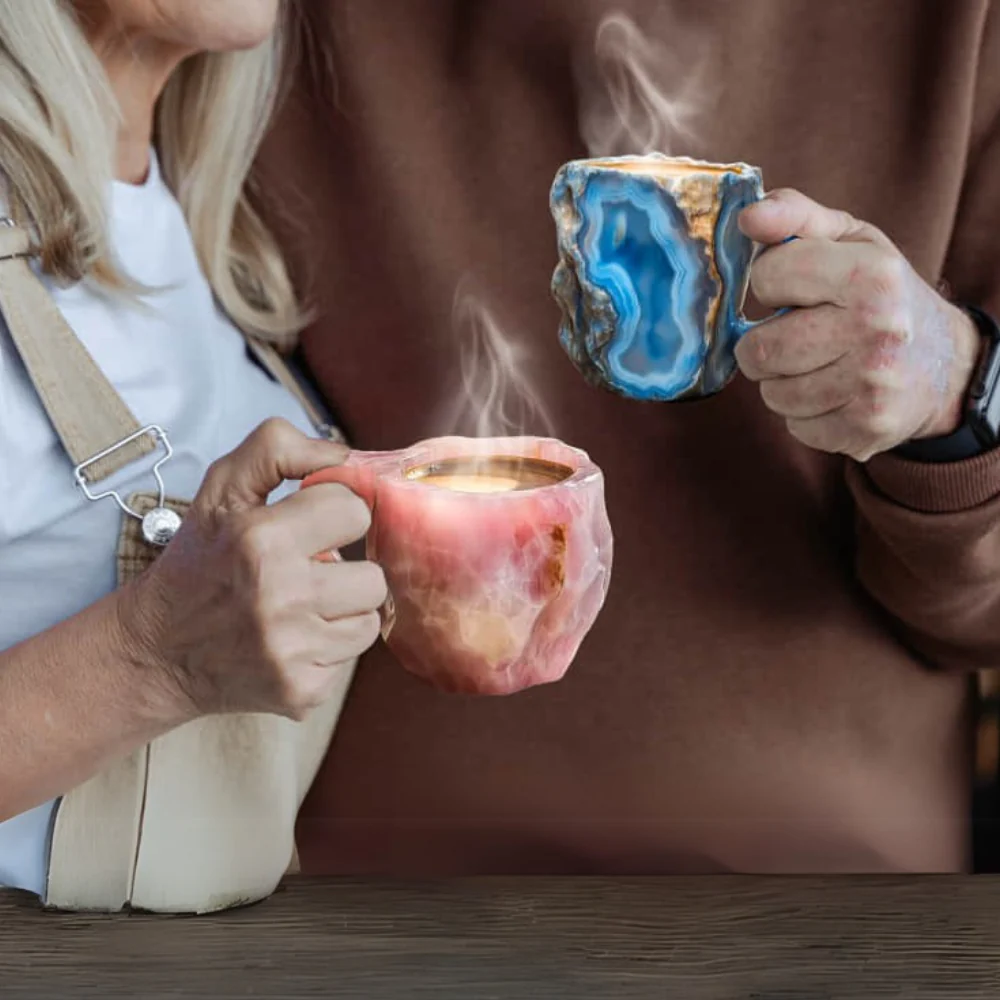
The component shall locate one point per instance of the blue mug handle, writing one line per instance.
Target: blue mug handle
(744, 325)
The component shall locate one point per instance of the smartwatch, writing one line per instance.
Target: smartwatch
(980, 430)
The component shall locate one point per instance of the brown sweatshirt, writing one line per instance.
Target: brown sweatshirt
(780, 678)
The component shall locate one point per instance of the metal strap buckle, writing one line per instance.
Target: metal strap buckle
(160, 524)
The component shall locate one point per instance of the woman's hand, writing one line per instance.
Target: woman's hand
(237, 613)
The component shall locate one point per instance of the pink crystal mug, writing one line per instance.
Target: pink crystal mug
(497, 553)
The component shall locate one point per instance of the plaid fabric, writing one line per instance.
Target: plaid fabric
(135, 554)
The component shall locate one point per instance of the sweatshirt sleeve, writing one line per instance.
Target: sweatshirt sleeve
(928, 535)
(929, 552)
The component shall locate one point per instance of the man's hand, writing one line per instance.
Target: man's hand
(873, 356)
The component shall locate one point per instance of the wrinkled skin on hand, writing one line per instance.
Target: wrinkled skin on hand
(872, 356)
(236, 615)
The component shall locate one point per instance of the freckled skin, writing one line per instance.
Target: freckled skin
(871, 355)
(933, 352)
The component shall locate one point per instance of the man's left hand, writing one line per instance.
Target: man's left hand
(873, 356)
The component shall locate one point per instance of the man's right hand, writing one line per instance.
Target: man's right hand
(236, 614)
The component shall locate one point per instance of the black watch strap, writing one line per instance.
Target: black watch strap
(980, 430)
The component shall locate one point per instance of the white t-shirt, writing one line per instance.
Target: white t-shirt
(181, 365)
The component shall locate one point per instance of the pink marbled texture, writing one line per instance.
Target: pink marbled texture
(490, 593)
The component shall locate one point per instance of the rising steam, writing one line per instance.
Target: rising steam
(649, 93)
(497, 397)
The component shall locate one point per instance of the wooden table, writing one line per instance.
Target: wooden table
(694, 939)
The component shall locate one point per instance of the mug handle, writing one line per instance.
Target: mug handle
(359, 479)
(743, 325)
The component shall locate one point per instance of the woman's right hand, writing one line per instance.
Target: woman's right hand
(236, 614)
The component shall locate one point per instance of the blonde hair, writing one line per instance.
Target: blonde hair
(58, 126)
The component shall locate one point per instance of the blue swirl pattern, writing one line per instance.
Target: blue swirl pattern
(652, 273)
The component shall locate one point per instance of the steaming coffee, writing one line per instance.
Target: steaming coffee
(496, 474)
(490, 593)
(653, 271)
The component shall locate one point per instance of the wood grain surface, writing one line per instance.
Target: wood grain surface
(695, 939)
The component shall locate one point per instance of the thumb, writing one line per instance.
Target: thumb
(274, 452)
(784, 214)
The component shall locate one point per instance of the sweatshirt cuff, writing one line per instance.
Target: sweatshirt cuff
(937, 488)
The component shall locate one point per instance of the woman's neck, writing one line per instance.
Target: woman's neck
(138, 71)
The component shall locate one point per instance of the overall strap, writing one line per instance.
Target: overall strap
(96, 428)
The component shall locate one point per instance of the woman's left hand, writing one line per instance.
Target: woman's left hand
(873, 356)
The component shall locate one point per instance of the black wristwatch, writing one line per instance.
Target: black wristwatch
(980, 430)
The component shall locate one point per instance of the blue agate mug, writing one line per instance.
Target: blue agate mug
(653, 271)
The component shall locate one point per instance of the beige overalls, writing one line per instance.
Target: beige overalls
(204, 817)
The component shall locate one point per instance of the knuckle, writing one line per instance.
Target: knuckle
(885, 352)
(258, 540)
(886, 275)
(844, 222)
(878, 279)
(291, 694)
(876, 416)
(879, 386)
(217, 473)
(893, 336)
(273, 433)
(216, 469)
(882, 426)
(281, 651)
(877, 402)
(297, 713)
(886, 325)
(896, 330)
(298, 703)
(310, 697)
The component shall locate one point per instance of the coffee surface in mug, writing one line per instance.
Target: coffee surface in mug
(495, 474)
